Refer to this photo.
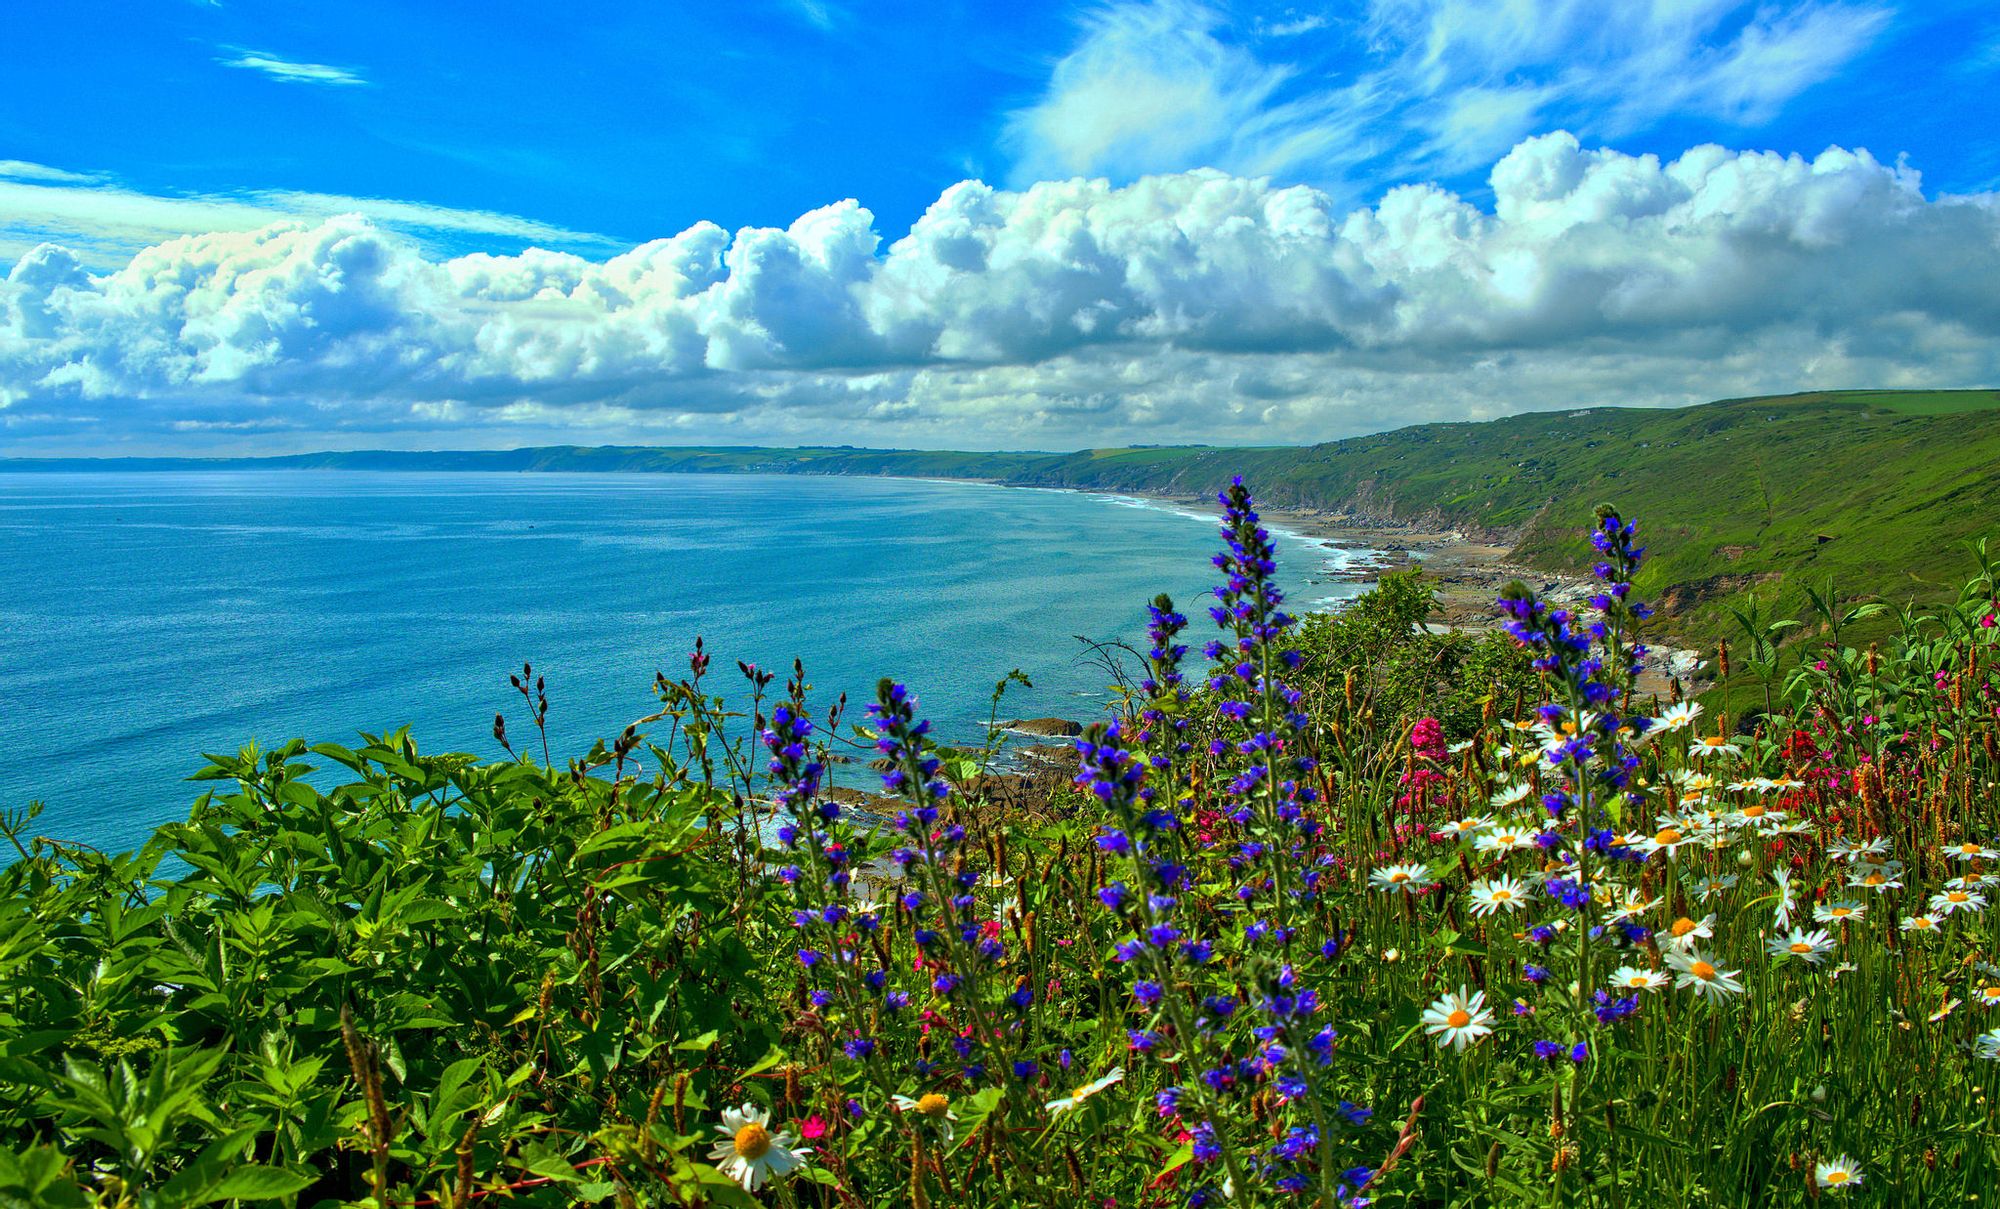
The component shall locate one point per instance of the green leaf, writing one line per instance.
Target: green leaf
(972, 1113)
(257, 1182)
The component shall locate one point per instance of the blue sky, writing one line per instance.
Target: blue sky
(590, 129)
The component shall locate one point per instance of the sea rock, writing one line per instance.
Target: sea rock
(1045, 727)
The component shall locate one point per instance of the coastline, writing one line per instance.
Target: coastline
(1468, 573)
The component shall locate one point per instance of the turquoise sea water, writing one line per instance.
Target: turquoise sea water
(146, 618)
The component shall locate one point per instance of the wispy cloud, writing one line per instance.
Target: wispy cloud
(105, 221)
(1415, 87)
(289, 71)
(24, 170)
(819, 14)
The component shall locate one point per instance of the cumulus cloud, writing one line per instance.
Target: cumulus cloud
(1196, 305)
(1414, 87)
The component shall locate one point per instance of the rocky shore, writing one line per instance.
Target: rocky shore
(1468, 571)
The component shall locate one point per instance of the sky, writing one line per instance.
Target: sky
(239, 227)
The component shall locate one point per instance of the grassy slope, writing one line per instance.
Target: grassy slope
(1729, 494)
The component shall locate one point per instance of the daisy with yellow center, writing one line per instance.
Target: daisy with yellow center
(1922, 925)
(1685, 933)
(1505, 839)
(1498, 894)
(1837, 1175)
(1401, 879)
(1864, 852)
(1459, 1020)
(1677, 717)
(1839, 913)
(1755, 814)
(1988, 997)
(1700, 974)
(932, 1108)
(1510, 795)
(1809, 947)
(1970, 851)
(1667, 839)
(1948, 901)
(1714, 887)
(1075, 1099)
(750, 1153)
(1879, 878)
(1713, 745)
(1632, 978)
(1628, 903)
(1465, 827)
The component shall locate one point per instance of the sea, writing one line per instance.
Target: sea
(149, 617)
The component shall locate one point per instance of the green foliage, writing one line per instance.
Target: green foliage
(1380, 650)
(451, 966)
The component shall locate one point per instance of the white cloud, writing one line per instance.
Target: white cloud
(1189, 306)
(289, 71)
(1431, 87)
(24, 170)
(105, 223)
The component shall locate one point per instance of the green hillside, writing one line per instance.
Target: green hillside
(1877, 489)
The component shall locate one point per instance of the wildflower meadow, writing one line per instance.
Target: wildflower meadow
(1315, 925)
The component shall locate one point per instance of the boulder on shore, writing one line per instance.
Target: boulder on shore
(1046, 727)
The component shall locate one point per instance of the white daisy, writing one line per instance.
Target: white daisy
(1922, 925)
(1629, 903)
(1809, 947)
(1400, 879)
(1781, 915)
(1837, 1174)
(1699, 973)
(1971, 851)
(1948, 901)
(1667, 839)
(1879, 878)
(932, 1107)
(1685, 933)
(1755, 814)
(1989, 1045)
(1458, 1020)
(1467, 827)
(1840, 912)
(1076, 1098)
(1507, 837)
(1632, 978)
(1714, 887)
(1497, 894)
(1987, 997)
(1714, 745)
(1677, 717)
(751, 1154)
(1510, 795)
(1870, 850)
